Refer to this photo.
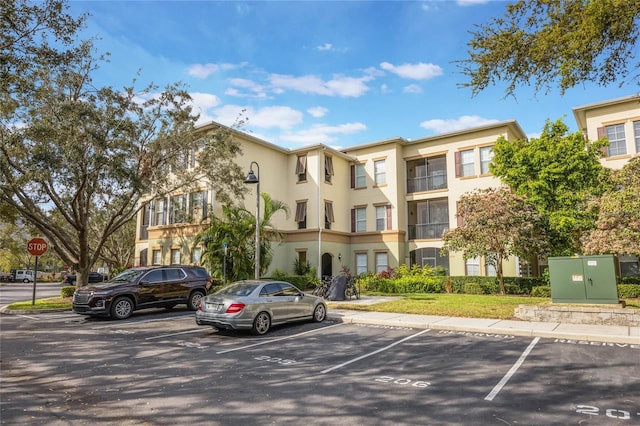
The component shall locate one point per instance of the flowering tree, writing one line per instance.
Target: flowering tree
(496, 224)
(618, 224)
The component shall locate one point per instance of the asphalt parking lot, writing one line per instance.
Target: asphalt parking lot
(159, 368)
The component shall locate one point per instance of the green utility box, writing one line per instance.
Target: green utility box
(583, 279)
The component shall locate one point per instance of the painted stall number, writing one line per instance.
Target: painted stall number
(403, 382)
(609, 412)
(275, 359)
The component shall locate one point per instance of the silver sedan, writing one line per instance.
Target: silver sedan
(256, 305)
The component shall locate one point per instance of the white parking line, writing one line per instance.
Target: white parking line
(174, 334)
(335, 367)
(497, 388)
(122, 324)
(277, 340)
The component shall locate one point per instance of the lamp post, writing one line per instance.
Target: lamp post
(255, 178)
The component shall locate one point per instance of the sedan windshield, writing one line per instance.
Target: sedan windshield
(239, 289)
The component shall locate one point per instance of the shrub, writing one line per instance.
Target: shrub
(627, 291)
(67, 290)
(473, 288)
(541, 291)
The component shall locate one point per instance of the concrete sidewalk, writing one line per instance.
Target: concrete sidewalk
(577, 332)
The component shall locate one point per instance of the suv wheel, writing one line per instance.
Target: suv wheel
(194, 300)
(121, 308)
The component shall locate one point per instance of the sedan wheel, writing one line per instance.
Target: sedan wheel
(319, 313)
(261, 324)
(121, 308)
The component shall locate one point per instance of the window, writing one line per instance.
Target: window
(383, 218)
(427, 174)
(380, 172)
(196, 253)
(465, 163)
(328, 168)
(328, 214)
(154, 276)
(159, 208)
(361, 263)
(432, 219)
(178, 209)
(175, 256)
(429, 256)
(144, 223)
(486, 155)
(617, 142)
(156, 257)
(358, 176)
(359, 219)
(144, 257)
(472, 266)
(301, 168)
(382, 262)
(636, 132)
(198, 205)
(301, 214)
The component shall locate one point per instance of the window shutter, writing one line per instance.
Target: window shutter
(389, 217)
(459, 218)
(458, 164)
(601, 132)
(353, 176)
(301, 165)
(328, 165)
(301, 212)
(353, 220)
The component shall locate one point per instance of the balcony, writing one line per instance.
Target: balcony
(427, 231)
(426, 183)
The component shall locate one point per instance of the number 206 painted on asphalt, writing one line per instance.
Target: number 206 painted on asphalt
(403, 382)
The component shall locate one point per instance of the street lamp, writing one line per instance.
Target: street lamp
(255, 178)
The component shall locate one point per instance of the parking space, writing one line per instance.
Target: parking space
(351, 373)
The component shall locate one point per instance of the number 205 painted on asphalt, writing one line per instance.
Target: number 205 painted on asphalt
(403, 382)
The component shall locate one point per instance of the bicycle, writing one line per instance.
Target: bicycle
(351, 290)
(323, 289)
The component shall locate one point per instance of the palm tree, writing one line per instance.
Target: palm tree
(236, 228)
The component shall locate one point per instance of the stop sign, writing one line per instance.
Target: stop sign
(37, 246)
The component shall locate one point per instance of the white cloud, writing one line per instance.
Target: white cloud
(205, 100)
(412, 88)
(322, 133)
(384, 88)
(471, 2)
(255, 90)
(452, 125)
(317, 112)
(282, 117)
(419, 71)
(202, 71)
(326, 46)
(338, 86)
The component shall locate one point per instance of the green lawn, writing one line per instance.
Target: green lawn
(451, 305)
(458, 305)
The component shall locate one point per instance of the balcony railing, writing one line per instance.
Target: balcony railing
(426, 183)
(427, 231)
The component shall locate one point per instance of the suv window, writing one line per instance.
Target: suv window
(154, 276)
(174, 274)
(200, 272)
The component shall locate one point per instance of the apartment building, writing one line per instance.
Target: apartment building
(367, 207)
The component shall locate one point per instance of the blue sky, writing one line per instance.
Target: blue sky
(341, 73)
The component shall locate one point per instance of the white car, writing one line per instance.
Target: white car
(256, 305)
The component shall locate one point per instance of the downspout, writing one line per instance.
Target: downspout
(320, 212)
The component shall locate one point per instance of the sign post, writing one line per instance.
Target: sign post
(36, 247)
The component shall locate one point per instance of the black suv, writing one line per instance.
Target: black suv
(94, 277)
(144, 287)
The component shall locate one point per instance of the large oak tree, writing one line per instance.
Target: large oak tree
(70, 150)
(544, 43)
